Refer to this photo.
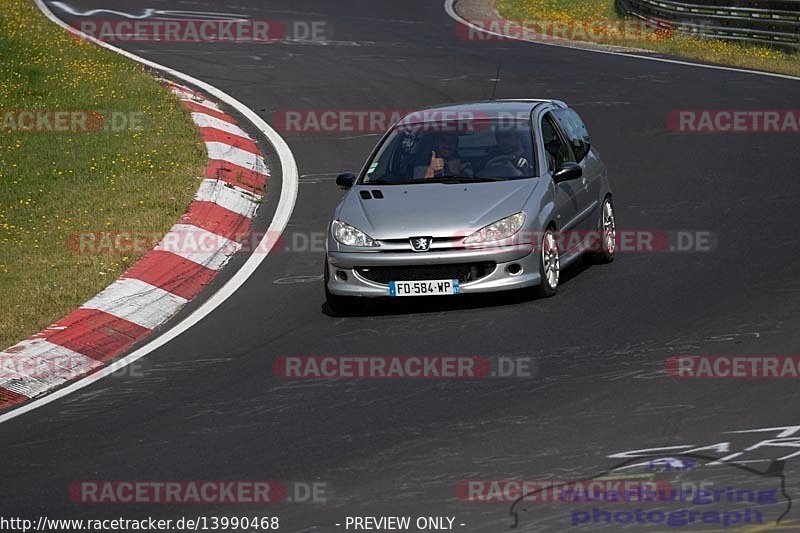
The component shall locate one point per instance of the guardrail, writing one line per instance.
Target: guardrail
(774, 22)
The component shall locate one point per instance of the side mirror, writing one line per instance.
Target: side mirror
(568, 171)
(346, 180)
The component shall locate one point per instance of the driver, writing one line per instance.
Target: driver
(447, 162)
(509, 151)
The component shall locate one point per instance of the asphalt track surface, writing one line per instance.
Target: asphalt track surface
(210, 407)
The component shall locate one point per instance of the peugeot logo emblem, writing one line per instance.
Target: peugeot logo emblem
(421, 244)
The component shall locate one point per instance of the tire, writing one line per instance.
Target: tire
(607, 228)
(549, 264)
(341, 305)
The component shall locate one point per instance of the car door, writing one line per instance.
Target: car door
(577, 135)
(567, 194)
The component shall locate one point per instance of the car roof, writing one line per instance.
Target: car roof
(489, 108)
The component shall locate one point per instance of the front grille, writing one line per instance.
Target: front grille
(438, 243)
(463, 272)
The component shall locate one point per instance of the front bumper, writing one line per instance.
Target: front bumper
(499, 279)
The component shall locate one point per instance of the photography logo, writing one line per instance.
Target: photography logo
(682, 492)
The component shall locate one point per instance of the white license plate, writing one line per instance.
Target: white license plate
(424, 288)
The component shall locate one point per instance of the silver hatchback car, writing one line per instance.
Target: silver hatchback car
(470, 198)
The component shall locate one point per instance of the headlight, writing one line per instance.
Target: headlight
(350, 236)
(497, 231)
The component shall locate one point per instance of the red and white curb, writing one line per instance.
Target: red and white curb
(155, 288)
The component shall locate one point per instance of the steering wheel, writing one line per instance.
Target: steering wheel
(509, 160)
(501, 160)
(500, 166)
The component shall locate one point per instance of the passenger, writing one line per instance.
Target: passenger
(445, 160)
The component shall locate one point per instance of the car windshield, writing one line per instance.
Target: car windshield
(475, 150)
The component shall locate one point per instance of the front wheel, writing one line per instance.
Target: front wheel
(343, 305)
(607, 228)
(549, 265)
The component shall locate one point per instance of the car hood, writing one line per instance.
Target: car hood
(433, 209)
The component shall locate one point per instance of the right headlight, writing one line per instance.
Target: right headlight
(497, 231)
(350, 235)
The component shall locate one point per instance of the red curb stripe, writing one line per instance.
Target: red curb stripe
(236, 175)
(197, 108)
(216, 219)
(171, 272)
(94, 333)
(8, 398)
(215, 135)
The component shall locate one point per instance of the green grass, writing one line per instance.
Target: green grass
(54, 185)
(598, 12)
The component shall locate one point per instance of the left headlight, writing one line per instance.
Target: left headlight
(350, 235)
(497, 231)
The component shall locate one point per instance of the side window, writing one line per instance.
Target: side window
(575, 130)
(558, 152)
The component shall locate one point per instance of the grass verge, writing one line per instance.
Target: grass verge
(601, 14)
(136, 173)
